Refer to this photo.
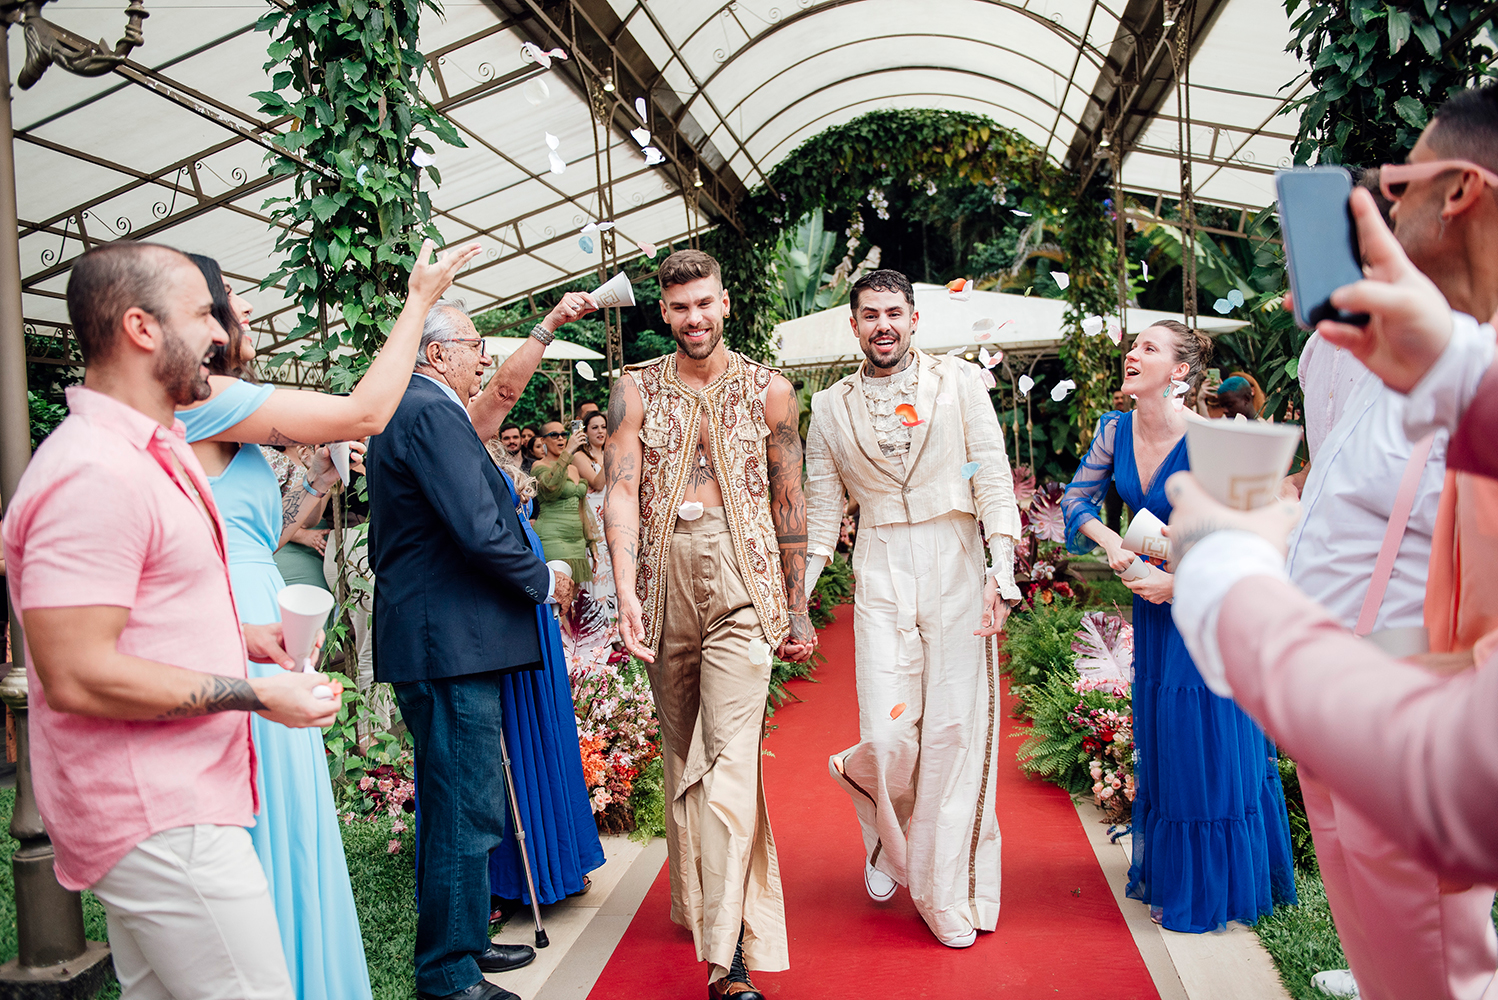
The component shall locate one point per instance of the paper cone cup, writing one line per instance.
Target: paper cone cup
(338, 452)
(304, 610)
(615, 292)
(1137, 570)
(1145, 538)
(1241, 462)
(1402, 642)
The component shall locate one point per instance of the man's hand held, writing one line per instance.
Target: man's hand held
(289, 699)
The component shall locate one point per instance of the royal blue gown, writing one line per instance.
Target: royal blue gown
(296, 833)
(1211, 837)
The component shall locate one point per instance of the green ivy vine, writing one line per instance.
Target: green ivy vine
(844, 171)
(1371, 58)
(347, 71)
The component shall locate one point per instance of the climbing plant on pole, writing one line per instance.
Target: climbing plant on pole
(348, 72)
(848, 170)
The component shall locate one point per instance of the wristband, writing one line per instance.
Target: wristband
(307, 485)
(542, 334)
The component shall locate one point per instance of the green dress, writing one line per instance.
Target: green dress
(560, 509)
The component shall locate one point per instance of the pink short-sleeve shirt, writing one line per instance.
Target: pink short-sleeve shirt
(99, 518)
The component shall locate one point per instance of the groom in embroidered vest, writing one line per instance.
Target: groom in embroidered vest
(914, 440)
(706, 528)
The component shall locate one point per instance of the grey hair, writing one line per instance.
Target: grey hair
(440, 326)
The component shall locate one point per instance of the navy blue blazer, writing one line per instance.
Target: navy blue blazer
(456, 582)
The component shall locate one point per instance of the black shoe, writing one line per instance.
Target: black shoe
(736, 984)
(505, 957)
(481, 990)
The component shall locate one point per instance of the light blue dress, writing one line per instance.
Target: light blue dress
(296, 832)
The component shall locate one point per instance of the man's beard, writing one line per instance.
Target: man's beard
(179, 370)
(699, 351)
(892, 362)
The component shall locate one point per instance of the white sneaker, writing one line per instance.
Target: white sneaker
(881, 887)
(965, 941)
(1336, 983)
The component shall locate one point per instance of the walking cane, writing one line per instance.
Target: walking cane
(525, 858)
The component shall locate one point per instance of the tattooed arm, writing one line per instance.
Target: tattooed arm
(77, 659)
(622, 457)
(788, 510)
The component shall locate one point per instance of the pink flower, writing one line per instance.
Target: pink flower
(392, 847)
(366, 783)
(1106, 793)
(398, 827)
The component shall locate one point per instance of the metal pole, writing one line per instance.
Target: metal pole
(53, 959)
(525, 857)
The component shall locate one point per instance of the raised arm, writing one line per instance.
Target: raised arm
(622, 455)
(300, 416)
(489, 408)
(788, 510)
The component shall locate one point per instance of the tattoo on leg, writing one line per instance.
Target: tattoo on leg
(217, 694)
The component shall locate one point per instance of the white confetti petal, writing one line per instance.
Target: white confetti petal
(536, 91)
(552, 141)
(558, 165)
(531, 52)
(946, 399)
(1179, 388)
(1115, 332)
(557, 54)
(1144, 270)
(1061, 278)
(1022, 215)
(586, 371)
(604, 227)
(653, 156)
(641, 136)
(954, 352)
(591, 227)
(422, 158)
(985, 323)
(1061, 389)
(640, 108)
(648, 249)
(689, 511)
(759, 652)
(989, 381)
(1026, 383)
(989, 360)
(1092, 325)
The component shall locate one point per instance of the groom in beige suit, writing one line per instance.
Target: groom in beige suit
(914, 440)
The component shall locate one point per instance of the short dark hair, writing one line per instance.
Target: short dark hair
(689, 265)
(1467, 126)
(509, 427)
(110, 280)
(533, 428)
(230, 359)
(882, 280)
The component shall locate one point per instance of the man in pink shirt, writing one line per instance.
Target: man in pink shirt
(140, 737)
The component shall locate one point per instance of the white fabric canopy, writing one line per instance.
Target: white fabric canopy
(557, 350)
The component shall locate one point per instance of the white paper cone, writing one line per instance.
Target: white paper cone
(1138, 570)
(1145, 538)
(1402, 642)
(617, 291)
(1241, 463)
(338, 452)
(304, 610)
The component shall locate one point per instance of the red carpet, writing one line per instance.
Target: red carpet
(1060, 933)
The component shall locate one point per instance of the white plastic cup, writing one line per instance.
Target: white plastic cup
(1138, 570)
(1145, 536)
(1241, 462)
(615, 292)
(304, 611)
(338, 452)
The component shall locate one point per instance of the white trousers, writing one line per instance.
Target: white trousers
(190, 918)
(922, 777)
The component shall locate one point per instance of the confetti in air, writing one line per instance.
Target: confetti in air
(987, 378)
(1178, 391)
(558, 165)
(653, 156)
(648, 249)
(586, 242)
(956, 351)
(640, 107)
(531, 52)
(361, 174)
(591, 227)
(1236, 298)
(1062, 389)
(1061, 278)
(946, 399)
(586, 371)
(421, 158)
(1144, 270)
(1115, 331)
(640, 136)
(536, 91)
(759, 651)
(1026, 383)
(984, 323)
(968, 469)
(1222, 307)
(1022, 215)
(1092, 325)
(907, 415)
(960, 288)
(897, 711)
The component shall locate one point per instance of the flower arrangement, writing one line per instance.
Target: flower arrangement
(390, 790)
(618, 733)
(1040, 558)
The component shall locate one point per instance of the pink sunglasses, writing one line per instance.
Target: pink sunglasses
(1394, 178)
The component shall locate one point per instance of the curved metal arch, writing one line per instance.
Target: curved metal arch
(1080, 44)
(899, 69)
(879, 38)
(887, 97)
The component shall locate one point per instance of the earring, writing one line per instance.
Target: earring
(1165, 393)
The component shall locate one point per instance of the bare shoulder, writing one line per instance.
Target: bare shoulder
(625, 405)
(781, 392)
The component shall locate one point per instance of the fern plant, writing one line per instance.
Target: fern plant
(1053, 746)
(1038, 642)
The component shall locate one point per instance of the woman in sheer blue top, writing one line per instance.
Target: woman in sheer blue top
(1211, 838)
(296, 832)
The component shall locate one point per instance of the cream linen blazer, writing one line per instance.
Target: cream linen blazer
(958, 425)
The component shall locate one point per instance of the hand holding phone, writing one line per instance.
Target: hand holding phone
(1321, 246)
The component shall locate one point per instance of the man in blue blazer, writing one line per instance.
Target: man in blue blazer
(455, 607)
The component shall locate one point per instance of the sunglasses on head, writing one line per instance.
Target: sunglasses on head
(1394, 179)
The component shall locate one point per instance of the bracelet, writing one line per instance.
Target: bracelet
(307, 485)
(542, 334)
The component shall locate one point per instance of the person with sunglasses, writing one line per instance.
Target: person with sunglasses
(561, 502)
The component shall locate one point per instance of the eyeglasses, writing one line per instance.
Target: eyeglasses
(474, 342)
(1394, 178)
(554, 434)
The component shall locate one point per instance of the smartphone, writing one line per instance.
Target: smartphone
(575, 426)
(1321, 244)
(1214, 375)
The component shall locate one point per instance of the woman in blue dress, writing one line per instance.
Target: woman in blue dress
(561, 835)
(1211, 838)
(296, 832)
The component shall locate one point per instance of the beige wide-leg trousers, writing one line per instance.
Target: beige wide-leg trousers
(711, 704)
(922, 776)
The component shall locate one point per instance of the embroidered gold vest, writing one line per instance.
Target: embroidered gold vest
(735, 406)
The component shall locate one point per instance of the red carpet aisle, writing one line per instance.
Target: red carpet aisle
(1059, 935)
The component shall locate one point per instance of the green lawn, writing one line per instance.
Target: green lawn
(1301, 939)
